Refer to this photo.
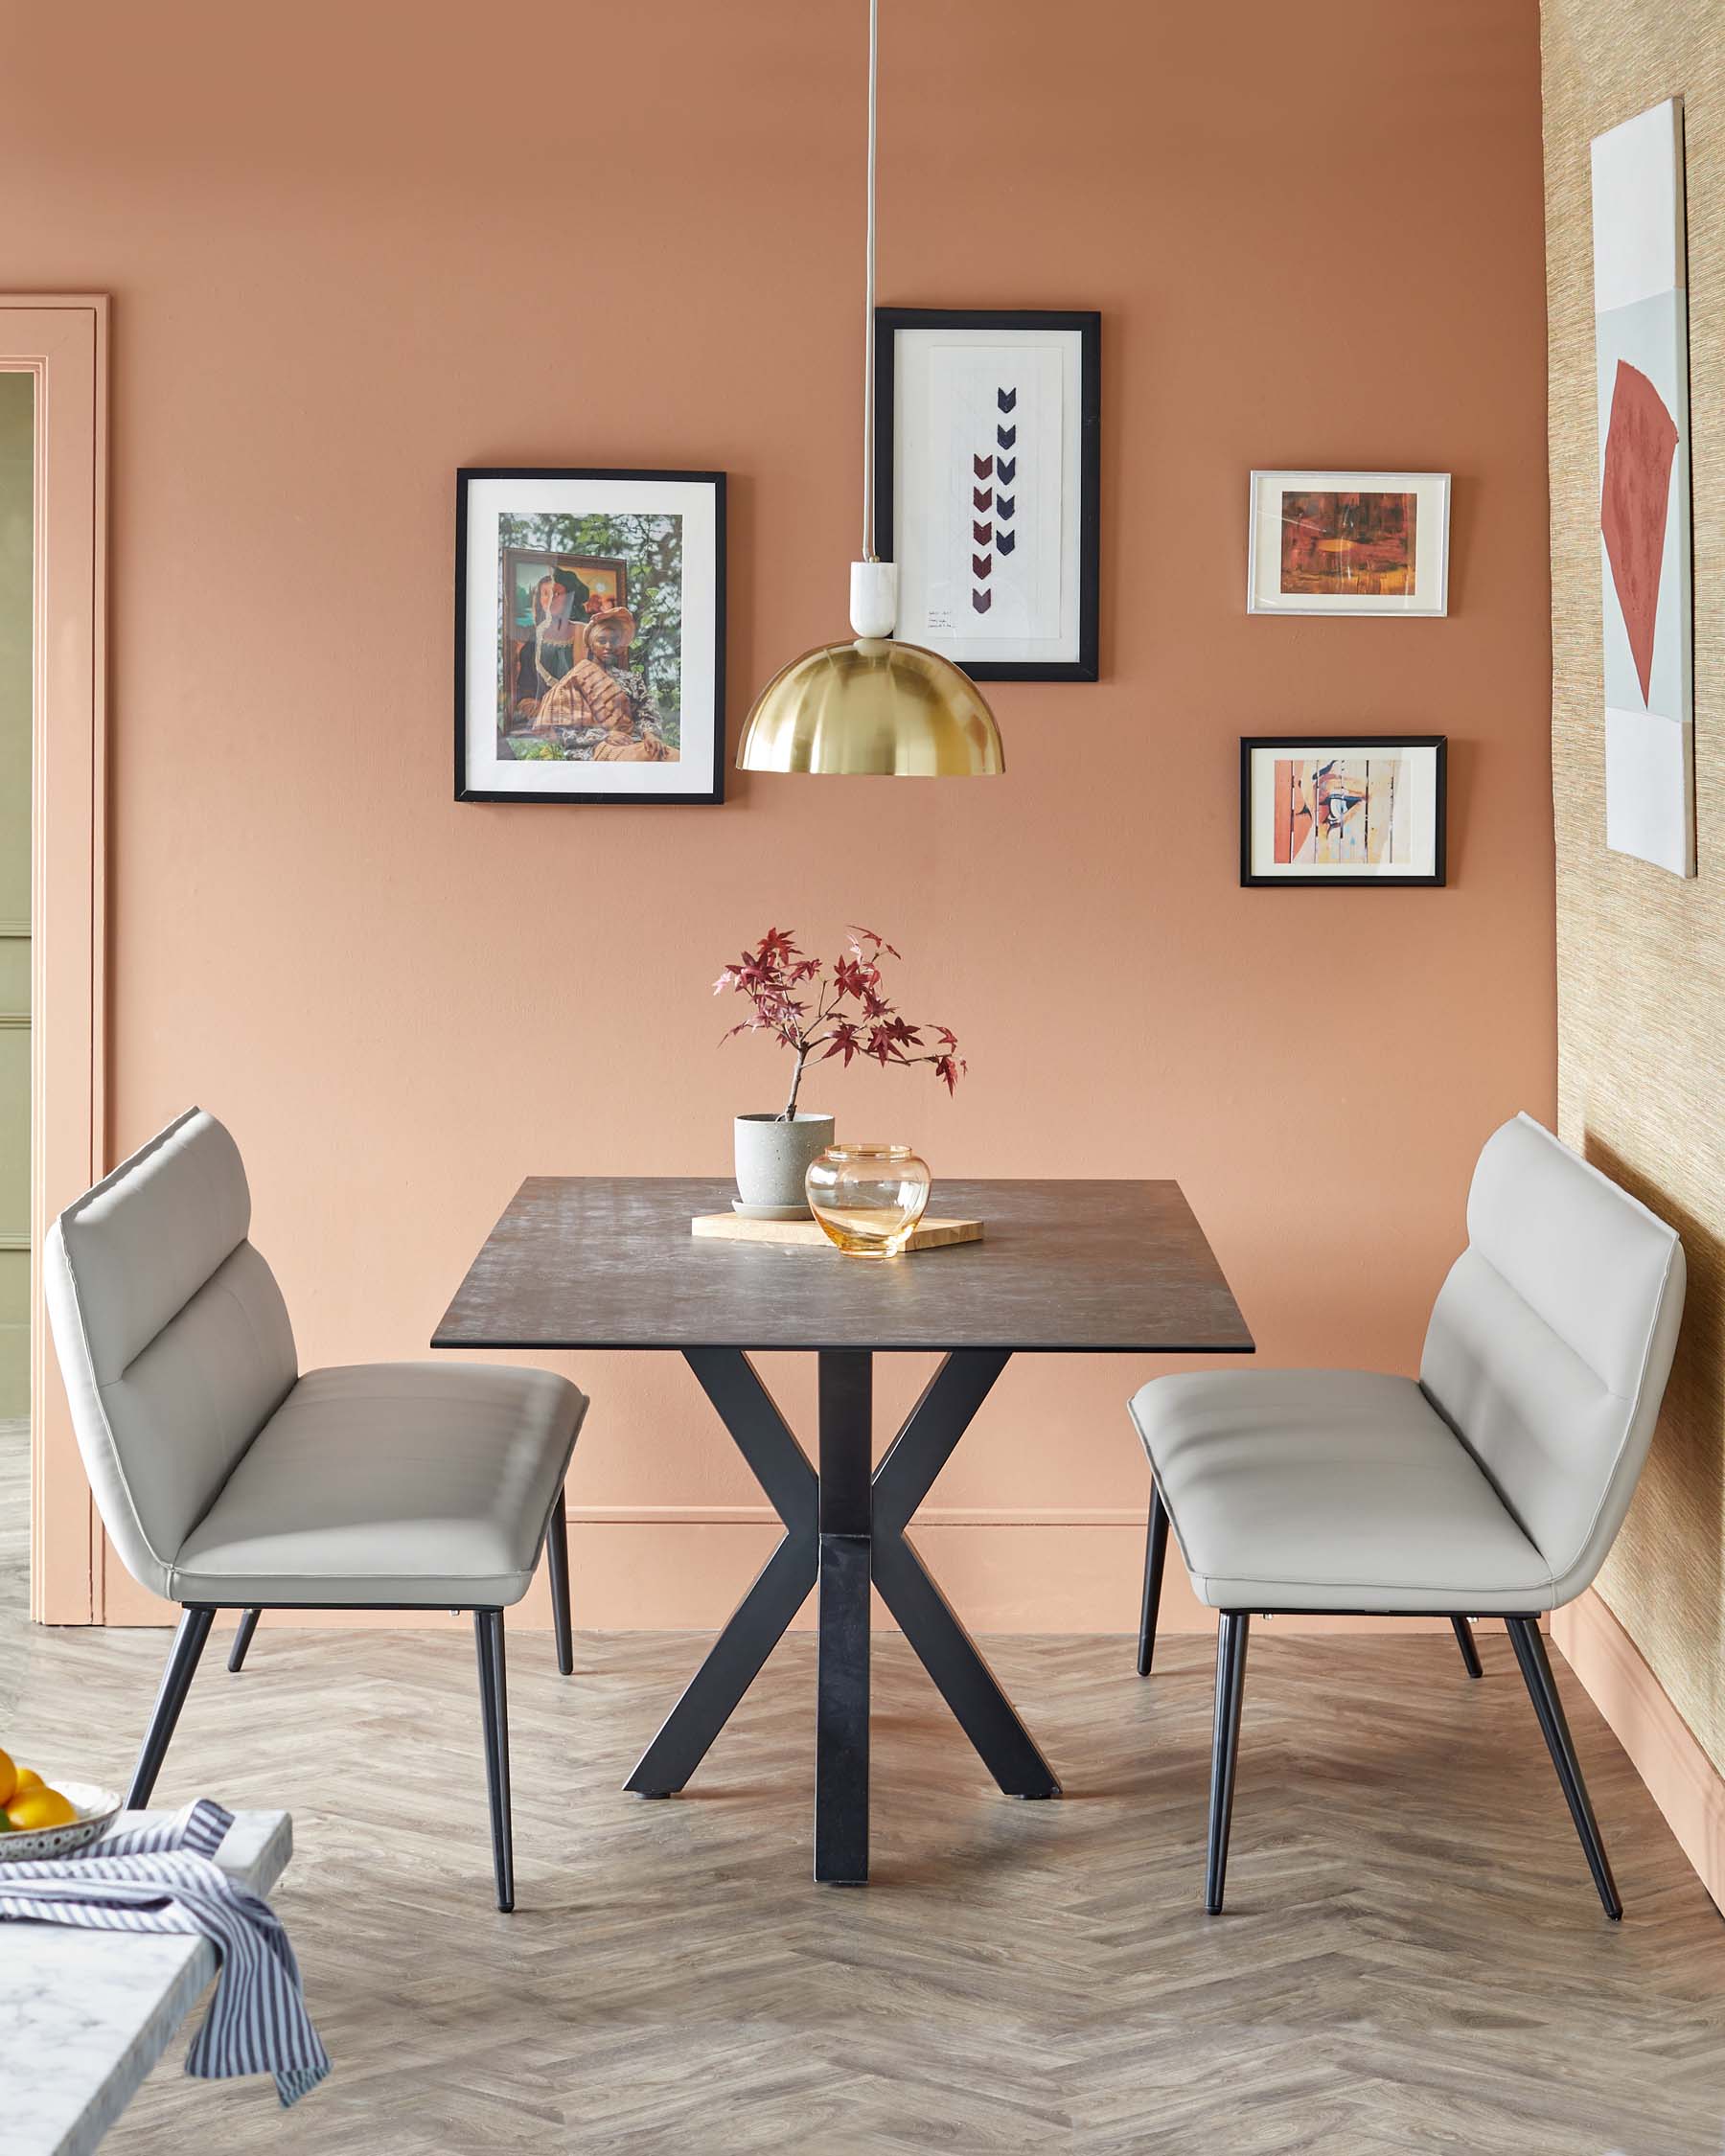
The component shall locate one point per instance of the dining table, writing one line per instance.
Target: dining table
(1063, 1267)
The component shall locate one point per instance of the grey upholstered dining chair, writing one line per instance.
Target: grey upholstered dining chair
(1494, 1485)
(226, 1479)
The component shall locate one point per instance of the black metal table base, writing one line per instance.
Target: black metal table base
(844, 1530)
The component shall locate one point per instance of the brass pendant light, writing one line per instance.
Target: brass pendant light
(872, 704)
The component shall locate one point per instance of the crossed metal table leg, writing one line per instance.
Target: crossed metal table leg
(845, 1529)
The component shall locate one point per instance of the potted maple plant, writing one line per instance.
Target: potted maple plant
(817, 1012)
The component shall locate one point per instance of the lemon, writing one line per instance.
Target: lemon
(35, 1809)
(8, 1779)
(28, 1778)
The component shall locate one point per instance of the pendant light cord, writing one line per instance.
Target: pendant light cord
(868, 301)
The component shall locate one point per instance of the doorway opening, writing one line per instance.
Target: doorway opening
(18, 672)
(52, 899)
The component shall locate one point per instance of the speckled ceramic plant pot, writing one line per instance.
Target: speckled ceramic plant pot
(772, 1158)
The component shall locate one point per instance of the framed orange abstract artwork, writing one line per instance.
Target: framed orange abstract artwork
(1348, 542)
(1346, 809)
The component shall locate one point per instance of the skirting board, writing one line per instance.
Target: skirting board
(673, 1568)
(1680, 1778)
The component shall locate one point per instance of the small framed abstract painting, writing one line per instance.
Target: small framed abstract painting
(589, 636)
(1348, 542)
(1343, 810)
(987, 458)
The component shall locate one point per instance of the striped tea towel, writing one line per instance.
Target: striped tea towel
(163, 1879)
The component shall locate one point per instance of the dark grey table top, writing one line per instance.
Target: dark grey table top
(1065, 1266)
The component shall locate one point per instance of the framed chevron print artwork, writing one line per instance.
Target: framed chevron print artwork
(987, 456)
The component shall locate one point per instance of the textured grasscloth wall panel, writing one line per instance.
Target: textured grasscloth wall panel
(1640, 955)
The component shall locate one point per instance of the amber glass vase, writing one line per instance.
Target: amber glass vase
(868, 1198)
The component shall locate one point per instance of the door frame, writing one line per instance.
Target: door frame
(62, 340)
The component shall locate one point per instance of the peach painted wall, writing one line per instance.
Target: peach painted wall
(353, 248)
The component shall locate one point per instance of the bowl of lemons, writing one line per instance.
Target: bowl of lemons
(49, 1819)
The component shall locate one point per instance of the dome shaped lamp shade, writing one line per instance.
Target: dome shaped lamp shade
(872, 705)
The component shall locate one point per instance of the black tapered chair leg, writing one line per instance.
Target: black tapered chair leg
(1156, 1551)
(1471, 1653)
(1225, 1748)
(556, 1564)
(1542, 1690)
(494, 1713)
(189, 1637)
(243, 1638)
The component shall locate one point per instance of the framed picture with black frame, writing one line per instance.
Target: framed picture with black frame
(988, 455)
(1343, 811)
(589, 636)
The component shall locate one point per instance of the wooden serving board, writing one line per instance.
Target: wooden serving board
(929, 1233)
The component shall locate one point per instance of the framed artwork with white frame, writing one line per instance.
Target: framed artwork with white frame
(589, 636)
(987, 463)
(1348, 542)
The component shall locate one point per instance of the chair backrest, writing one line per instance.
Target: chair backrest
(1552, 1340)
(172, 1334)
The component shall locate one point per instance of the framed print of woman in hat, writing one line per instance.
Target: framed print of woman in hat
(543, 639)
(589, 628)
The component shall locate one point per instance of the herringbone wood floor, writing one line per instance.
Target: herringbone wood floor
(1413, 1957)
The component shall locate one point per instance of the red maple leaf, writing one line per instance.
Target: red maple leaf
(767, 975)
(869, 935)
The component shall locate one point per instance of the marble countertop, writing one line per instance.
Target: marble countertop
(86, 2014)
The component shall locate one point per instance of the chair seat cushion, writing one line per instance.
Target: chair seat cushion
(393, 1484)
(1330, 1490)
